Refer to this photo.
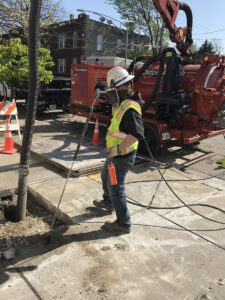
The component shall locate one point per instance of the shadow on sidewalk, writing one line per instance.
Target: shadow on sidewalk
(50, 241)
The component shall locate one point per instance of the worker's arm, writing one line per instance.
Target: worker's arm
(114, 151)
(129, 140)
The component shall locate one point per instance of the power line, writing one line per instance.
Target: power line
(217, 39)
(208, 26)
(223, 29)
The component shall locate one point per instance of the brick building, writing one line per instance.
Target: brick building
(73, 40)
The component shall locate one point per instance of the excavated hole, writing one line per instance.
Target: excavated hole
(10, 213)
(30, 232)
(8, 207)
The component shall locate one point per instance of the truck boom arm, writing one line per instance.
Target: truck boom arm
(168, 10)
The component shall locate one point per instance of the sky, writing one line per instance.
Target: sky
(208, 17)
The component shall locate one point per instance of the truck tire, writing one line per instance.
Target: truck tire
(66, 105)
(152, 138)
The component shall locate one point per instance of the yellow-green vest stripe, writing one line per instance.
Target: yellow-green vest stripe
(114, 136)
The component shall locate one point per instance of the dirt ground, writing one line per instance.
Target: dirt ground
(26, 233)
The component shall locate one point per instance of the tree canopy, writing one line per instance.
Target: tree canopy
(14, 15)
(141, 16)
(206, 49)
(14, 63)
(139, 51)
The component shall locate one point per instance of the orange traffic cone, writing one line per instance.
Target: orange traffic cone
(95, 140)
(9, 149)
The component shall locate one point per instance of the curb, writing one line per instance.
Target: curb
(47, 204)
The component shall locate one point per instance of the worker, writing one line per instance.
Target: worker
(125, 130)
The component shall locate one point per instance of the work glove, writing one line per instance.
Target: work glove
(112, 151)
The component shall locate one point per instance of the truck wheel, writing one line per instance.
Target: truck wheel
(66, 105)
(152, 138)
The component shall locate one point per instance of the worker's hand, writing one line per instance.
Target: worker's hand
(112, 151)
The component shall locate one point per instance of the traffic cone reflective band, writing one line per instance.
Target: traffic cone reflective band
(9, 149)
(95, 140)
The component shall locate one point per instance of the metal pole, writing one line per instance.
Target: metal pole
(34, 20)
(126, 47)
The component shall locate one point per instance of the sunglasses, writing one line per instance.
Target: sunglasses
(127, 83)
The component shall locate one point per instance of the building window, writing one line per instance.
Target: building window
(74, 60)
(119, 46)
(132, 46)
(61, 65)
(61, 40)
(99, 42)
(74, 39)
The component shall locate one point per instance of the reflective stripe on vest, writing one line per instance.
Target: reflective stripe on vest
(123, 107)
(117, 135)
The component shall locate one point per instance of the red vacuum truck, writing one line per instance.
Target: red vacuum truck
(182, 100)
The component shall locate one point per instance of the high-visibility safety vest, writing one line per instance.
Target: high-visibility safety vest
(114, 136)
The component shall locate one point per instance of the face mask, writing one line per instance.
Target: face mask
(124, 94)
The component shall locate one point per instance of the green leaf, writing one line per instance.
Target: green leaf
(14, 63)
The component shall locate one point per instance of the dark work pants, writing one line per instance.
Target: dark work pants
(115, 195)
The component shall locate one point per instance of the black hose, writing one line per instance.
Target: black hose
(188, 12)
(145, 66)
(186, 205)
(131, 66)
(159, 77)
(192, 231)
(134, 202)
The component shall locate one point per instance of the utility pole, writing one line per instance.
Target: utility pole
(34, 22)
(126, 47)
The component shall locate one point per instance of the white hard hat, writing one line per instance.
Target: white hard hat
(118, 76)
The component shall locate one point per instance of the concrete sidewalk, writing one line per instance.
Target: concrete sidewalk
(153, 262)
(158, 260)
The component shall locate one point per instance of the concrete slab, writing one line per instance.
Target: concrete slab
(62, 149)
(9, 165)
(59, 150)
(58, 147)
(88, 263)
(9, 170)
(17, 286)
(157, 260)
(148, 188)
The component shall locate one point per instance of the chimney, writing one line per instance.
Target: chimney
(71, 17)
(83, 17)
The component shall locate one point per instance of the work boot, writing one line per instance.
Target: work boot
(115, 227)
(103, 206)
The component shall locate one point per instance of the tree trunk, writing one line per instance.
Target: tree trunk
(161, 38)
